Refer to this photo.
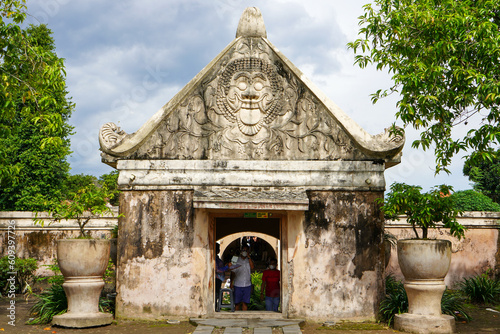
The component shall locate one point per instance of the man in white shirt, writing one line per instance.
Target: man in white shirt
(241, 280)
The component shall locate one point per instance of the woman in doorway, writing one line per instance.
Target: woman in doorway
(271, 286)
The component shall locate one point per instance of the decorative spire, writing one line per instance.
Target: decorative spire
(251, 24)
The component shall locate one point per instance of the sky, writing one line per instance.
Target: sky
(126, 59)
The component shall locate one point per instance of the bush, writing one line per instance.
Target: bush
(56, 278)
(51, 302)
(470, 200)
(396, 302)
(255, 302)
(481, 289)
(453, 303)
(25, 273)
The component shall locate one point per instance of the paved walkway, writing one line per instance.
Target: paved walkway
(257, 326)
(290, 329)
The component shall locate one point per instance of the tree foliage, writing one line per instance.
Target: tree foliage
(87, 203)
(110, 181)
(485, 175)
(444, 58)
(34, 110)
(470, 200)
(423, 210)
(73, 183)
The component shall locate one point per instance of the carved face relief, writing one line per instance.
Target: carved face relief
(249, 97)
(248, 94)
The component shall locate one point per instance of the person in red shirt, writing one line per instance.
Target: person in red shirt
(271, 286)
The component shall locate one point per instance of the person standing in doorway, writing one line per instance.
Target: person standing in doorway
(271, 286)
(241, 280)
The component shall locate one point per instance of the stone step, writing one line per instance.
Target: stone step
(203, 330)
(233, 330)
(263, 330)
(292, 329)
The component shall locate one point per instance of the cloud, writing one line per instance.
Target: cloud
(126, 59)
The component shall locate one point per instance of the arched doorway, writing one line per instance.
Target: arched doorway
(263, 246)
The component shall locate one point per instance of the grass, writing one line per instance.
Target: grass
(354, 326)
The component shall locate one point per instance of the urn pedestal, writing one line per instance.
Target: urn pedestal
(83, 262)
(424, 264)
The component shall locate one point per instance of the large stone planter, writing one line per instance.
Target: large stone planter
(83, 262)
(424, 264)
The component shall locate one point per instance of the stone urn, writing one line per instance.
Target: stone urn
(83, 262)
(424, 264)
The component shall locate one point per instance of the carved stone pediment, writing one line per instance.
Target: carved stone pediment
(250, 103)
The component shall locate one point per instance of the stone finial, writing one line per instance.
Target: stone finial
(251, 24)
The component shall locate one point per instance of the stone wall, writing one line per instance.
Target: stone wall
(162, 257)
(335, 258)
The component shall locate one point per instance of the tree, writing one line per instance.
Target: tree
(110, 181)
(34, 133)
(444, 58)
(73, 183)
(424, 210)
(485, 175)
(87, 203)
(470, 200)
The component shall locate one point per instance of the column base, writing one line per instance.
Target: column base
(82, 320)
(424, 324)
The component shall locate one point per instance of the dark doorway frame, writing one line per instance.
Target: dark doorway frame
(281, 217)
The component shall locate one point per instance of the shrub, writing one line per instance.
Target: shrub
(395, 301)
(470, 200)
(453, 303)
(481, 289)
(255, 302)
(57, 277)
(25, 273)
(51, 302)
(431, 209)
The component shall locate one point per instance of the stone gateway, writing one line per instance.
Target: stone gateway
(250, 147)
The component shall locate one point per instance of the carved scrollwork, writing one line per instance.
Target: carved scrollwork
(110, 135)
(391, 135)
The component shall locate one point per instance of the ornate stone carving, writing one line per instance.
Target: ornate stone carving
(111, 135)
(390, 136)
(250, 107)
(249, 93)
(255, 194)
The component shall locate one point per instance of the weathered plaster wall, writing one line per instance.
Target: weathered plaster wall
(334, 257)
(162, 256)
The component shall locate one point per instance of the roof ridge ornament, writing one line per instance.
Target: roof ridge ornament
(251, 24)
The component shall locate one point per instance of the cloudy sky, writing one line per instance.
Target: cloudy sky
(125, 59)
